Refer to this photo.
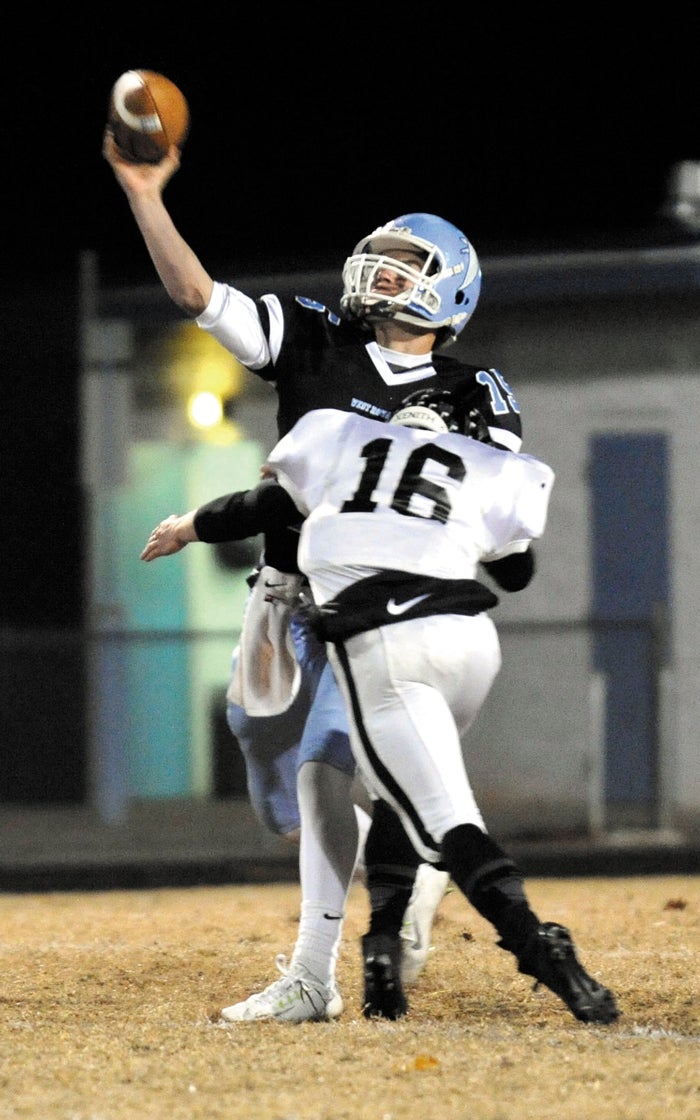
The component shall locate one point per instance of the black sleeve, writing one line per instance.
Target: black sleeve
(245, 513)
(265, 509)
(513, 572)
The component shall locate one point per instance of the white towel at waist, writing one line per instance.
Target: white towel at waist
(266, 676)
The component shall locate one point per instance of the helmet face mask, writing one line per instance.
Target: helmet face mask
(360, 277)
(441, 296)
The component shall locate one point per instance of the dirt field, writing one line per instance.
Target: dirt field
(110, 1004)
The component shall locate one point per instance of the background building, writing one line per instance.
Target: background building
(592, 722)
(590, 730)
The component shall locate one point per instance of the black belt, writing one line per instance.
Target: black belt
(395, 596)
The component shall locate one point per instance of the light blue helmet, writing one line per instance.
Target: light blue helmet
(442, 296)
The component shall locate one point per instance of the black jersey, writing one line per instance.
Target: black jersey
(329, 362)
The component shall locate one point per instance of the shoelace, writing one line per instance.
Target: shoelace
(288, 974)
(283, 967)
(276, 985)
(307, 985)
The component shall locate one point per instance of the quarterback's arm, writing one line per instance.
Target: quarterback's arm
(229, 315)
(184, 277)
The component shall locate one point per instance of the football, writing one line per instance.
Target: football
(147, 113)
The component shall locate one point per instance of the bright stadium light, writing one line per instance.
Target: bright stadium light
(205, 409)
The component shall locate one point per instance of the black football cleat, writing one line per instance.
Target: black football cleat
(550, 957)
(384, 995)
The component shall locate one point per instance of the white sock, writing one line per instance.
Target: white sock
(318, 941)
(327, 855)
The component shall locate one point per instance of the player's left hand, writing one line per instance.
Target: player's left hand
(169, 536)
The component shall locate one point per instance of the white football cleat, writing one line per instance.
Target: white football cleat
(297, 997)
(428, 890)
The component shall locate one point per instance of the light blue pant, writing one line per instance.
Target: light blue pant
(314, 728)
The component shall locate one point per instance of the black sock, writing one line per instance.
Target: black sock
(492, 882)
(391, 863)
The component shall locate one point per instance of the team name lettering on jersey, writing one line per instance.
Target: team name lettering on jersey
(370, 409)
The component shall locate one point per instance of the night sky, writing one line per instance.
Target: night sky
(309, 129)
(312, 127)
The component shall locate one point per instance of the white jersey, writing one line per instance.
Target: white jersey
(380, 496)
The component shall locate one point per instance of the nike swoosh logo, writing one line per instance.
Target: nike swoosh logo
(332, 917)
(393, 607)
(268, 583)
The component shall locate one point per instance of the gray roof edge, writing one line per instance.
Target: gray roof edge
(507, 279)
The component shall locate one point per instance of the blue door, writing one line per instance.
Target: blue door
(630, 595)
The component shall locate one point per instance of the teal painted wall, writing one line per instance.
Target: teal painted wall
(168, 627)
